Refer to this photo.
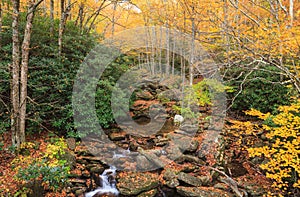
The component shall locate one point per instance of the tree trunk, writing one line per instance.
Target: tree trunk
(51, 16)
(15, 97)
(291, 11)
(191, 68)
(24, 69)
(79, 15)
(113, 18)
(0, 25)
(19, 88)
(61, 28)
(63, 19)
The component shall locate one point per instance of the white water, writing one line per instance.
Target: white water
(107, 187)
(124, 153)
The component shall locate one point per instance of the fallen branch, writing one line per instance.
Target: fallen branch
(228, 181)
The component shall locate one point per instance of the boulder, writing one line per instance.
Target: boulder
(143, 163)
(254, 189)
(189, 158)
(99, 169)
(189, 179)
(189, 128)
(117, 136)
(170, 177)
(201, 192)
(136, 183)
(71, 142)
(78, 182)
(152, 157)
(184, 143)
(70, 158)
(144, 95)
(150, 193)
(80, 192)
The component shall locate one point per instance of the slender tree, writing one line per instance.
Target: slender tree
(0, 22)
(20, 71)
(51, 16)
(291, 11)
(24, 64)
(15, 70)
(64, 14)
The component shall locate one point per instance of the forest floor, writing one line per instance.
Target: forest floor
(240, 168)
(9, 185)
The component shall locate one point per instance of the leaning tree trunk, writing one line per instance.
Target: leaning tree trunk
(15, 97)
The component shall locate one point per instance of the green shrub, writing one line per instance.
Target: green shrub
(51, 169)
(262, 90)
(50, 79)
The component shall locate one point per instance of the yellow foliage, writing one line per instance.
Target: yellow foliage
(27, 145)
(282, 151)
(54, 152)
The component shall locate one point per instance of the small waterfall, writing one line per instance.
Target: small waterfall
(108, 184)
(124, 153)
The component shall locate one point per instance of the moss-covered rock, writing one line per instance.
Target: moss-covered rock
(136, 183)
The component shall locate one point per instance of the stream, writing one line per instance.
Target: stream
(107, 179)
(108, 184)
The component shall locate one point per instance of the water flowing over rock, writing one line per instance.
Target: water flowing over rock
(107, 183)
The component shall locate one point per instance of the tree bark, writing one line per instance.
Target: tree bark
(19, 84)
(63, 20)
(191, 67)
(51, 16)
(0, 25)
(61, 27)
(15, 97)
(291, 11)
(24, 67)
(113, 18)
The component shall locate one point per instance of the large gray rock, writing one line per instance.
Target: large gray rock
(189, 158)
(71, 142)
(253, 189)
(143, 163)
(144, 95)
(184, 142)
(201, 192)
(136, 183)
(170, 177)
(189, 179)
(152, 157)
(189, 128)
(99, 169)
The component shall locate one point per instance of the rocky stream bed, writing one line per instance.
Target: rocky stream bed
(170, 162)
